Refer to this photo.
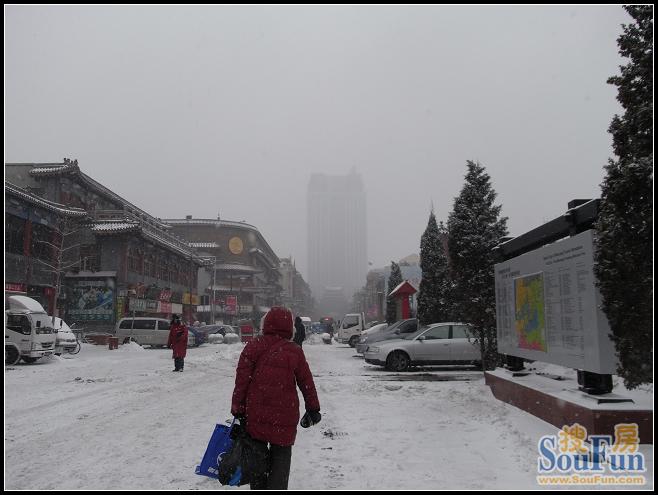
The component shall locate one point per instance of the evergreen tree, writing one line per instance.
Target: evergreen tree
(624, 267)
(434, 286)
(475, 228)
(394, 279)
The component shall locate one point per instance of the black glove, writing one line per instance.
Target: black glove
(310, 418)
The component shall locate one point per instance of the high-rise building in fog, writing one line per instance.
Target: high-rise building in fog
(337, 234)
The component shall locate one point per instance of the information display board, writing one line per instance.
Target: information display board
(548, 307)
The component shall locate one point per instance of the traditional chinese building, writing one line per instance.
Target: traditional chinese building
(32, 237)
(244, 280)
(122, 261)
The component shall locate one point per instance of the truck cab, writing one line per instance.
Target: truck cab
(29, 332)
(350, 328)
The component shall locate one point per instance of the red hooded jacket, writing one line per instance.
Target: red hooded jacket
(269, 371)
(178, 340)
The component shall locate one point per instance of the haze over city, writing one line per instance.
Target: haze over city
(229, 110)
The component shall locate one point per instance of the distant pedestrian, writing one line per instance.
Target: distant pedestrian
(300, 332)
(178, 333)
(265, 398)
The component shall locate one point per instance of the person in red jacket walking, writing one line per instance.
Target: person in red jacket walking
(178, 342)
(270, 369)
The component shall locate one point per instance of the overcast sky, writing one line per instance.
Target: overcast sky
(230, 109)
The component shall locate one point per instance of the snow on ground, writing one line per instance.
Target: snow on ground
(121, 419)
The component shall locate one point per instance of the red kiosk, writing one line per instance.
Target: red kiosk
(401, 294)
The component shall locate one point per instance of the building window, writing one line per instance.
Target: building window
(14, 234)
(90, 260)
(43, 242)
(149, 265)
(163, 271)
(134, 261)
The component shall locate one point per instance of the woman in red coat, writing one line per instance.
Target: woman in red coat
(178, 342)
(270, 369)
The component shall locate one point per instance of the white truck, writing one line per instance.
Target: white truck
(350, 329)
(29, 332)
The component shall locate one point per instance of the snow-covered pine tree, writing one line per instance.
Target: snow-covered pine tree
(394, 279)
(475, 228)
(434, 286)
(624, 266)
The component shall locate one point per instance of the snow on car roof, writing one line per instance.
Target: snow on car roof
(25, 304)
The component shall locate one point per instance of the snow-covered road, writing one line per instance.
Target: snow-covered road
(122, 420)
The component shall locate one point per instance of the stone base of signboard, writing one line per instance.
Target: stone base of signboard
(561, 403)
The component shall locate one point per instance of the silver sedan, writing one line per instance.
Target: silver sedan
(440, 343)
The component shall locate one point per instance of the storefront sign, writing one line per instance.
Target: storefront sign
(231, 306)
(15, 287)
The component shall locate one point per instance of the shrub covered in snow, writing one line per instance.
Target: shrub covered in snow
(231, 338)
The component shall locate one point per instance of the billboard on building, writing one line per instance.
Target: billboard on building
(548, 307)
(91, 300)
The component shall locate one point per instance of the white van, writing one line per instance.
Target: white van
(146, 330)
(29, 332)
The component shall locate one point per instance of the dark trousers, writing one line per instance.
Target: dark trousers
(277, 467)
(179, 363)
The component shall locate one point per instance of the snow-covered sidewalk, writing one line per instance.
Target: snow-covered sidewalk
(122, 420)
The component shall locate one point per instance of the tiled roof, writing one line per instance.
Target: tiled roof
(268, 252)
(207, 221)
(200, 245)
(44, 203)
(67, 166)
(236, 267)
(114, 227)
(71, 167)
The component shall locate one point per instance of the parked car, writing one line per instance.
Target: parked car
(148, 331)
(440, 343)
(221, 329)
(388, 332)
(370, 332)
(200, 335)
(65, 341)
(317, 327)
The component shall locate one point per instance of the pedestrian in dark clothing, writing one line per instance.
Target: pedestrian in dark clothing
(270, 369)
(177, 341)
(300, 332)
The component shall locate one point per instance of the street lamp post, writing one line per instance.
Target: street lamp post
(212, 303)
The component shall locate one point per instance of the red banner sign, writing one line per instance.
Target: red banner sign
(15, 287)
(231, 306)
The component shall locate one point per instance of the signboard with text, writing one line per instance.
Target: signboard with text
(231, 306)
(548, 307)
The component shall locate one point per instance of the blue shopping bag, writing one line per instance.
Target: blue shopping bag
(220, 443)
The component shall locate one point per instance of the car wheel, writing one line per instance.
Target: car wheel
(12, 356)
(353, 341)
(398, 361)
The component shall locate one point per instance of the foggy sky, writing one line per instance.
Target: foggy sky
(230, 109)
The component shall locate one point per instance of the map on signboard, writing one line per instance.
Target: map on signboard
(529, 314)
